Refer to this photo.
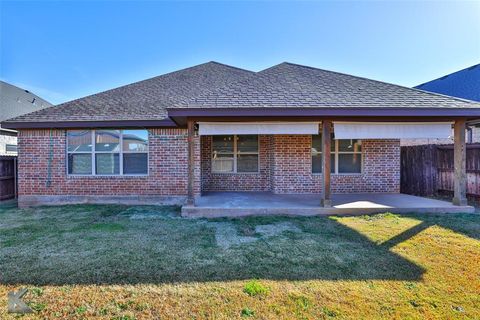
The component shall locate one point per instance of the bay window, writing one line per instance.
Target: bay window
(346, 155)
(235, 154)
(107, 152)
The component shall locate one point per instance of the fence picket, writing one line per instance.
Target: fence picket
(7, 177)
(428, 169)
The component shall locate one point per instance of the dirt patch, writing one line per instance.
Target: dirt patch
(271, 230)
(227, 234)
(153, 213)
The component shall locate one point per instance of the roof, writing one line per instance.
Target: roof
(15, 101)
(290, 85)
(215, 89)
(463, 84)
(143, 100)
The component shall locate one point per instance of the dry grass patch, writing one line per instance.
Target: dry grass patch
(143, 262)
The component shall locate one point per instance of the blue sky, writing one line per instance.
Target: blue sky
(66, 50)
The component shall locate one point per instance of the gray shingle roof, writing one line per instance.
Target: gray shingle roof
(144, 100)
(290, 85)
(15, 101)
(214, 85)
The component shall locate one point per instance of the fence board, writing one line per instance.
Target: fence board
(428, 169)
(8, 173)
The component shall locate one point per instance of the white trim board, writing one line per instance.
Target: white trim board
(238, 128)
(392, 130)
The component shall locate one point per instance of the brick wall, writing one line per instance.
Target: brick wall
(292, 168)
(286, 167)
(236, 181)
(168, 165)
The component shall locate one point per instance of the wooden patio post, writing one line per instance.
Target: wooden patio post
(326, 145)
(191, 162)
(459, 160)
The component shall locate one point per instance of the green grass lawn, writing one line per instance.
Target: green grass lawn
(144, 262)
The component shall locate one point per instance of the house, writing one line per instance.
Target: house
(15, 101)
(293, 138)
(464, 84)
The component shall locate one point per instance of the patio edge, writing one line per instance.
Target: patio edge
(213, 212)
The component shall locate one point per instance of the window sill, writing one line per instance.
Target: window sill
(236, 173)
(340, 174)
(107, 176)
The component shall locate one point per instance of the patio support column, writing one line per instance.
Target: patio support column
(191, 162)
(459, 160)
(326, 145)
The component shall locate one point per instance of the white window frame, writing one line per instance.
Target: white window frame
(335, 154)
(121, 152)
(236, 153)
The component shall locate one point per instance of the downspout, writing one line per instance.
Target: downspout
(48, 183)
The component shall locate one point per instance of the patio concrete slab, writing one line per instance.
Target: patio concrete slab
(235, 204)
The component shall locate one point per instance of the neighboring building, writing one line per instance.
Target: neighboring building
(463, 84)
(212, 127)
(15, 101)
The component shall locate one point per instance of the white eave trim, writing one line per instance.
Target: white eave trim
(392, 130)
(229, 128)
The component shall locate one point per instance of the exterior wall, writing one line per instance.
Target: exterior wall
(286, 167)
(7, 138)
(168, 168)
(292, 168)
(236, 181)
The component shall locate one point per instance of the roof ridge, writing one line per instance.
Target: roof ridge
(449, 74)
(379, 81)
(227, 65)
(227, 85)
(208, 92)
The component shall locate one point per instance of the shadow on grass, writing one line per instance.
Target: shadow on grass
(466, 224)
(131, 245)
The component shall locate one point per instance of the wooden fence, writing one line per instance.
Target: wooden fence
(427, 170)
(8, 173)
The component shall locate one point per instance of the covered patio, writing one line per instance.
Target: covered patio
(327, 143)
(323, 198)
(224, 204)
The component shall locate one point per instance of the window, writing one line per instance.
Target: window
(235, 154)
(107, 152)
(135, 151)
(346, 155)
(11, 148)
(79, 152)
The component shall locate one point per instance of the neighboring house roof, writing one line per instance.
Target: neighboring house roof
(15, 101)
(143, 100)
(283, 90)
(289, 85)
(463, 84)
